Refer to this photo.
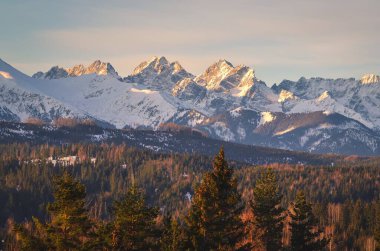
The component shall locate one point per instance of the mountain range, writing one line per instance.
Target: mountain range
(224, 102)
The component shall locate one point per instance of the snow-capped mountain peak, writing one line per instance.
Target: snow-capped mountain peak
(77, 70)
(214, 74)
(159, 73)
(370, 79)
(100, 68)
(223, 76)
(8, 72)
(224, 65)
(157, 64)
(97, 67)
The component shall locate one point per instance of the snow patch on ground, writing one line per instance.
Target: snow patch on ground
(314, 132)
(235, 113)
(285, 131)
(100, 137)
(222, 131)
(241, 91)
(196, 119)
(146, 91)
(241, 132)
(285, 95)
(6, 75)
(323, 96)
(21, 132)
(266, 117)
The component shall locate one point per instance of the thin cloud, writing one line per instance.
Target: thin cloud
(280, 39)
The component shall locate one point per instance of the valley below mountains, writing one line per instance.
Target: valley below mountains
(225, 102)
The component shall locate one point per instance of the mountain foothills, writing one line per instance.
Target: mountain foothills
(225, 102)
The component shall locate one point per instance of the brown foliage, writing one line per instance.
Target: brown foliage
(34, 121)
(67, 122)
(72, 122)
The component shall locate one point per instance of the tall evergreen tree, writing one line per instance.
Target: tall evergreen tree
(214, 222)
(268, 213)
(377, 226)
(304, 232)
(69, 227)
(171, 238)
(134, 223)
(27, 239)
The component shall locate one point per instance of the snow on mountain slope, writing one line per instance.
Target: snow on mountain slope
(215, 74)
(108, 99)
(223, 87)
(190, 118)
(21, 99)
(349, 97)
(266, 117)
(323, 103)
(222, 76)
(101, 97)
(285, 96)
(10, 73)
(316, 131)
(5, 75)
(188, 90)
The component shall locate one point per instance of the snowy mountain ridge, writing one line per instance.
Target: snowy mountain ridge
(158, 72)
(97, 67)
(225, 102)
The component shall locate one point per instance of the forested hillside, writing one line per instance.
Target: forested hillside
(168, 139)
(343, 196)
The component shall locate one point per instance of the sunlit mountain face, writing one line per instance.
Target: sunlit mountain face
(225, 102)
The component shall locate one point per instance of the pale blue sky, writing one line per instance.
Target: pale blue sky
(279, 39)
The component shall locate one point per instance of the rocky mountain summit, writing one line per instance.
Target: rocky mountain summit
(97, 67)
(159, 73)
(370, 79)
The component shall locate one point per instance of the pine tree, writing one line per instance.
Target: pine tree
(213, 222)
(134, 225)
(377, 226)
(304, 233)
(171, 238)
(29, 240)
(268, 214)
(69, 227)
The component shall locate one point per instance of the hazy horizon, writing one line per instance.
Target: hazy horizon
(279, 40)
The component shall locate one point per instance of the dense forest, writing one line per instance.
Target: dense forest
(177, 198)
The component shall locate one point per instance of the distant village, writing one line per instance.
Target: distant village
(62, 161)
